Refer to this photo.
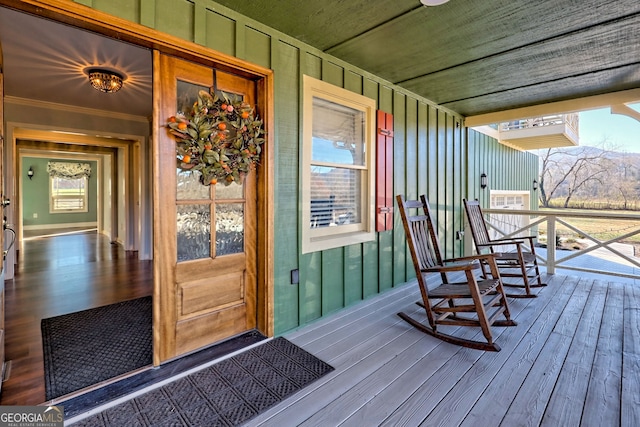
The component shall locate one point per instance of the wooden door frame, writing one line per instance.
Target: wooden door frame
(2, 208)
(84, 17)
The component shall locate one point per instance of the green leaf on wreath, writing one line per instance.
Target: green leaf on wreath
(209, 157)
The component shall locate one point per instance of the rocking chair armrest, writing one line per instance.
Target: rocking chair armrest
(453, 266)
(502, 242)
(480, 257)
(514, 240)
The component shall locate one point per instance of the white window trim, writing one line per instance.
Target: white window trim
(333, 237)
(85, 197)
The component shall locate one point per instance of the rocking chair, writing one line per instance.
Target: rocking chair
(521, 263)
(483, 300)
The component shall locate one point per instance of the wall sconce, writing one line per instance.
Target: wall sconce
(484, 181)
(30, 172)
(535, 185)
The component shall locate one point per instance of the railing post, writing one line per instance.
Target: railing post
(551, 244)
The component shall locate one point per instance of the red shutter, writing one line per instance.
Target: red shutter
(384, 171)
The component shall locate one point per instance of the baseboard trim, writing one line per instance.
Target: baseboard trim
(92, 224)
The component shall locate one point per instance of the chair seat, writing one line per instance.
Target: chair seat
(514, 257)
(461, 290)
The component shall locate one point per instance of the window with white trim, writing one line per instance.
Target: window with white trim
(338, 167)
(68, 187)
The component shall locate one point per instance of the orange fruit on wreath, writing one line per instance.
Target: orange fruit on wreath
(245, 115)
(214, 181)
(182, 125)
(222, 126)
(186, 159)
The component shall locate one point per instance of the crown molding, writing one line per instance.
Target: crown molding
(74, 109)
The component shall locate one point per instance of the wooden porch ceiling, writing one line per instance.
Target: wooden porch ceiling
(473, 57)
(573, 359)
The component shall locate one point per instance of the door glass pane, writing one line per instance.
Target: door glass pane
(189, 186)
(194, 234)
(187, 95)
(193, 221)
(229, 228)
(231, 191)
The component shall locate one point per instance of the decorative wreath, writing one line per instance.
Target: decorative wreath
(220, 138)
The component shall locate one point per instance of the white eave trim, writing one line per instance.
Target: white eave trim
(560, 107)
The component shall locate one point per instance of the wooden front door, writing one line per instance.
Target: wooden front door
(204, 236)
(3, 204)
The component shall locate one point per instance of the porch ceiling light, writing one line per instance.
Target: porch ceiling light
(433, 2)
(104, 80)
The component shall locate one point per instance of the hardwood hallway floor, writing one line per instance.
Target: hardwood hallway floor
(57, 275)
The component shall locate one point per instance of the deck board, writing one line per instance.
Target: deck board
(455, 407)
(569, 394)
(602, 402)
(343, 339)
(358, 337)
(433, 390)
(498, 395)
(530, 401)
(630, 411)
(562, 365)
(352, 317)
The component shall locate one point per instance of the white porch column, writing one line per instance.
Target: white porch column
(551, 244)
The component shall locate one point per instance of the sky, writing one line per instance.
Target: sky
(622, 133)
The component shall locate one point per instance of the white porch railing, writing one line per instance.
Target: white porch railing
(561, 130)
(570, 120)
(556, 223)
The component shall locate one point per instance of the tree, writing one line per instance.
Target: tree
(626, 182)
(567, 171)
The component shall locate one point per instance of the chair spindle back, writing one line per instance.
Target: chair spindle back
(419, 229)
(477, 223)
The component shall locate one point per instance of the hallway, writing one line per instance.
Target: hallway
(57, 275)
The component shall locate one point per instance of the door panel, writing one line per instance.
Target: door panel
(205, 236)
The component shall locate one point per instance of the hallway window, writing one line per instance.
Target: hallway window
(68, 186)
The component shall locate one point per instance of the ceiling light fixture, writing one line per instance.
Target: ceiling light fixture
(433, 2)
(105, 80)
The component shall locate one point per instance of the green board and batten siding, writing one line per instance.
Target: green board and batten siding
(432, 153)
(506, 169)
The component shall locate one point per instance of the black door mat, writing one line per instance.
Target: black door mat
(123, 387)
(227, 393)
(90, 346)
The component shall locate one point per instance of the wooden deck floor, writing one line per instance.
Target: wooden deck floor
(573, 359)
